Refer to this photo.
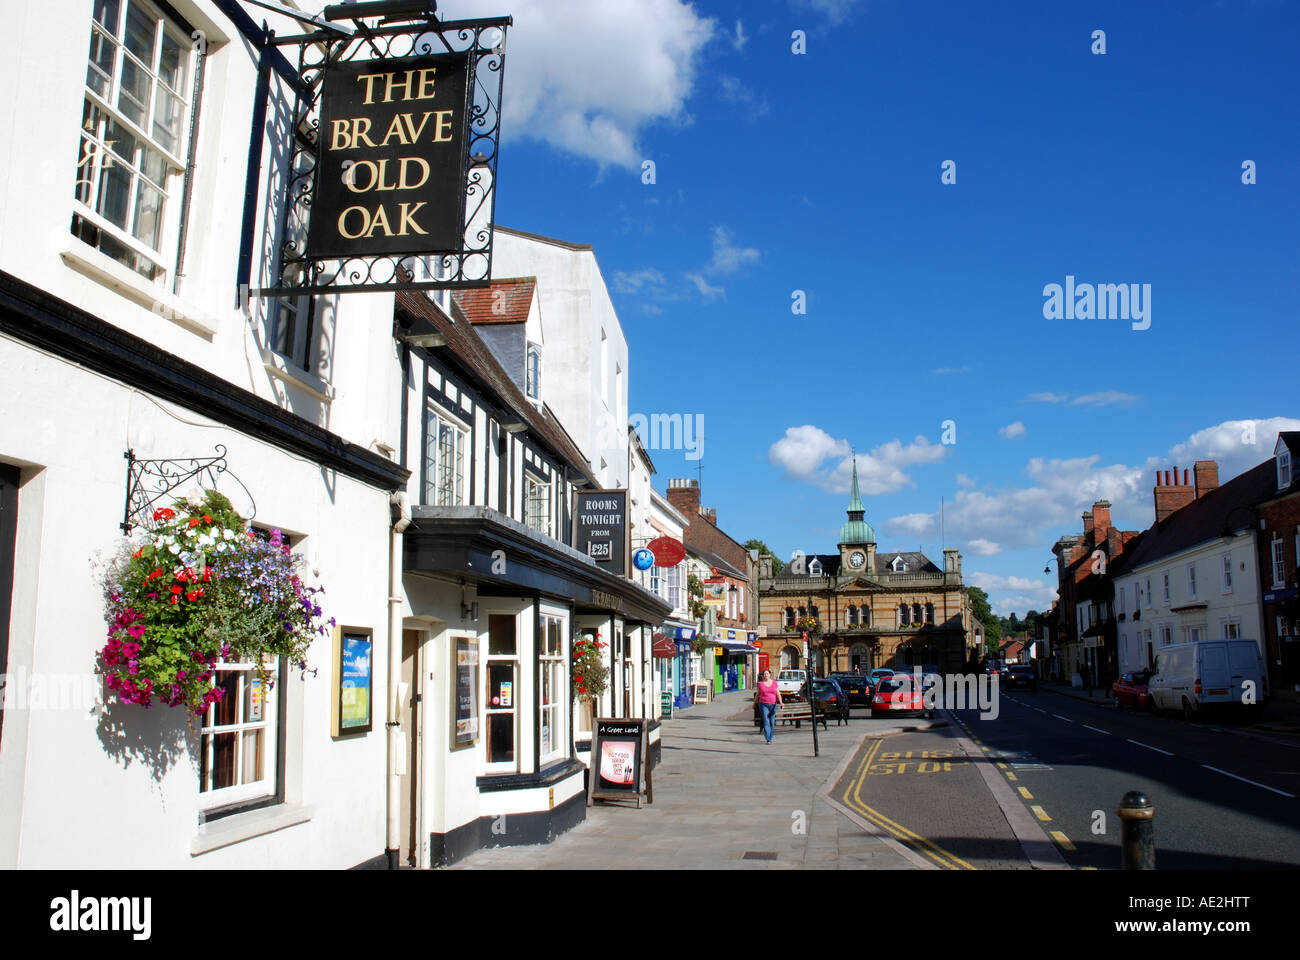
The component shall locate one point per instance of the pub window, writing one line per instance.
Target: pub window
(537, 505)
(292, 319)
(134, 122)
(503, 690)
(554, 687)
(444, 460)
(238, 736)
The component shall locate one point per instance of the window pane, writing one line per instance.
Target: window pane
(171, 68)
(501, 737)
(133, 98)
(103, 55)
(169, 113)
(87, 161)
(223, 760)
(225, 710)
(252, 759)
(114, 195)
(107, 13)
(148, 215)
(140, 32)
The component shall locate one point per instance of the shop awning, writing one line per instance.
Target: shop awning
(739, 648)
(664, 647)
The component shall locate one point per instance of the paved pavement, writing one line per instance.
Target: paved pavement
(721, 793)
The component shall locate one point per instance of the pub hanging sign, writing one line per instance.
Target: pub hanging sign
(393, 137)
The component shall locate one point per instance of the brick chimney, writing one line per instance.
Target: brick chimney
(1206, 473)
(1100, 521)
(1171, 495)
(1087, 527)
(710, 514)
(684, 495)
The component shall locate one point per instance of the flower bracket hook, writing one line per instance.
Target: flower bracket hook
(148, 481)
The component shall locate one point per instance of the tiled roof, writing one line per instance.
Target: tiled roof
(1204, 518)
(478, 363)
(505, 301)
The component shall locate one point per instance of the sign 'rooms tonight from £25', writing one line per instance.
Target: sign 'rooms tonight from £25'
(600, 527)
(390, 171)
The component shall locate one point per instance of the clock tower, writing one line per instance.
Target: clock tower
(857, 539)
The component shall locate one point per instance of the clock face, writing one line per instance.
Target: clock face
(857, 558)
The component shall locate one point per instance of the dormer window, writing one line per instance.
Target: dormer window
(1283, 467)
(815, 568)
(898, 566)
(534, 372)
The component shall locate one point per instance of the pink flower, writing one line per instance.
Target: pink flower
(136, 630)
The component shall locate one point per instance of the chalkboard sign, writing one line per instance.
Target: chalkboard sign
(464, 704)
(699, 693)
(619, 749)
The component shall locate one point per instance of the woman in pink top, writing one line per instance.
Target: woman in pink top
(768, 697)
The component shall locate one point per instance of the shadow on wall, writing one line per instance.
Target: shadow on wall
(156, 738)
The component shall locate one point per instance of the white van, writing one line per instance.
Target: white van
(1190, 676)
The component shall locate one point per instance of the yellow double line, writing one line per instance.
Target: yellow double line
(914, 841)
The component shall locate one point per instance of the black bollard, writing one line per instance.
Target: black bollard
(1137, 837)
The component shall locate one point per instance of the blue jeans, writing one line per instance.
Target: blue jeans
(769, 719)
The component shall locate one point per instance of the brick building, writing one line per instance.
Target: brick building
(872, 608)
(1278, 546)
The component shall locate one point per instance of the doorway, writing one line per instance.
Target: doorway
(409, 782)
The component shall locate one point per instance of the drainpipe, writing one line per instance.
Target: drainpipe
(395, 752)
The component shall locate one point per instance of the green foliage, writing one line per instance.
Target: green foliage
(764, 550)
(981, 611)
(590, 673)
(695, 597)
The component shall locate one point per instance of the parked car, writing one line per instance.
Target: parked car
(1020, 675)
(1131, 690)
(898, 695)
(1192, 676)
(790, 682)
(856, 687)
(832, 701)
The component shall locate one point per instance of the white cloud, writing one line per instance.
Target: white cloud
(635, 281)
(983, 548)
(965, 481)
(803, 451)
(739, 39)
(1035, 594)
(727, 257)
(732, 90)
(1012, 430)
(622, 66)
(941, 371)
(1227, 444)
(1103, 398)
(707, 290)
(837, 11)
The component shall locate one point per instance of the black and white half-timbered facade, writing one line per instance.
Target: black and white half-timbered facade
(492, 597)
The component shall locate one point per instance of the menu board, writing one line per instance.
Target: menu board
(464, 720)
(619, 749)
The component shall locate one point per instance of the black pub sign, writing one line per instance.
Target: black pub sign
(600, 528)
(390, 170)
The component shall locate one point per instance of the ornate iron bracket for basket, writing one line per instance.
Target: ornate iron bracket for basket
(148, 481)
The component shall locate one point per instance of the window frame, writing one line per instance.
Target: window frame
(1225, 573)
(551, 668)
(295, 334)
(1284, 468)
(1191, 581)
(534, 482)
(533, 371)
(490, 659)
(434, 411)
(88, 223)
(221, 801)
(1279, 562)
(1164, 588)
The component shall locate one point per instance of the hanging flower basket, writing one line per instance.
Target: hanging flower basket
(806, 623)
(589, 674)
(197, 588)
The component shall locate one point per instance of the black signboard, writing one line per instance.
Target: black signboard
(600, 528)
(619, 750)
(464, 707)
(390, 174)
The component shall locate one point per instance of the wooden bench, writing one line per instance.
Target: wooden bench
(797, 712)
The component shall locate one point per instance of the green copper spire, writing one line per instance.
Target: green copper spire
(856, 530)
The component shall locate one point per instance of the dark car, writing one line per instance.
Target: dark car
(1020, 675)
(832, 701)
(856, 687)
(1131, 689)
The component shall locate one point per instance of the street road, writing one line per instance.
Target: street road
(1223, 799)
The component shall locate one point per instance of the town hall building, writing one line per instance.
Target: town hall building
(864, 607)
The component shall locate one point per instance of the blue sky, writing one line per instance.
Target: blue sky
(820, 172)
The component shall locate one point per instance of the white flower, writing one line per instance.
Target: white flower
(221, 548)
(228, 534)
(206, 540)
(174, 549)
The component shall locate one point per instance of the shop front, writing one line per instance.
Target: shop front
(734, 659)
(498, 743)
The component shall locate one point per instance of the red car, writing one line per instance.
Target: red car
(1131, 689)
(898, 695)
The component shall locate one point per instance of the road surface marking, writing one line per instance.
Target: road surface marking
(1010, 775)
(1040, 813)
(1001, 765)
(1059, 717)
(1024, 792)
(1086, 727)
(1251, 782)
(1063, 840)
(918, 843)
(1156, 749)
(1040, 709)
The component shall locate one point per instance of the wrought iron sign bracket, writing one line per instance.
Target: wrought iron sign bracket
(148, 481)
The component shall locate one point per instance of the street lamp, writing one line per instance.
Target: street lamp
(812, 696)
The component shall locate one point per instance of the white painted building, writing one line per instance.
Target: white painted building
(123, 199)
(585, 354)
(1194, 574)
